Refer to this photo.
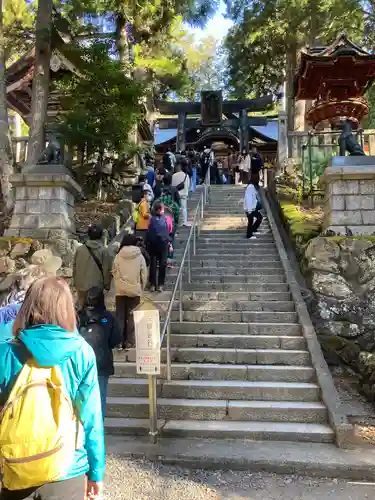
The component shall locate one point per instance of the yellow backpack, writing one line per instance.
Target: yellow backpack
(135, 215)
(38, 429)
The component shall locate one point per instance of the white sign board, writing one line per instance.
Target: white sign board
(147, 338)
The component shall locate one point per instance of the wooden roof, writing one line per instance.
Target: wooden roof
(258, 104)
(338, 71)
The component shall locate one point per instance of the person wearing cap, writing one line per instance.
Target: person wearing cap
(92, 265)
(144, 215)
(14, 287)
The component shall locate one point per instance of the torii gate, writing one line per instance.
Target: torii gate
(212, 108)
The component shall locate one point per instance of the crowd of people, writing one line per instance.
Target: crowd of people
(56, 353)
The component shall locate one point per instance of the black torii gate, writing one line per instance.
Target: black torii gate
(211, 109)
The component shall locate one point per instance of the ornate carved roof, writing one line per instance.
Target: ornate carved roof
(340, 70)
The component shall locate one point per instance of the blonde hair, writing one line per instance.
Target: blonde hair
(48, 301)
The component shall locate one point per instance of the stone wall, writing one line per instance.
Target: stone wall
(17, 253)
(351, 203)
(349, 208)
(340, 272)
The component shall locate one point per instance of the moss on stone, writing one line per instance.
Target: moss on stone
(301, 224)
(16, 239)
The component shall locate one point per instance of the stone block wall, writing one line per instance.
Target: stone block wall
(44, 205)
(349, 207)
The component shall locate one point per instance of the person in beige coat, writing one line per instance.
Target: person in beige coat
(92, 265)
(130, 278)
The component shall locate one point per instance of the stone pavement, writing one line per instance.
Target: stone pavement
(142, 480)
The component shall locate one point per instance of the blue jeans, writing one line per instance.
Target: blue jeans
(193, 184)
(103, 385)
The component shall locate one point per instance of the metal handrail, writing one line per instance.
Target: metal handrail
(166, 332)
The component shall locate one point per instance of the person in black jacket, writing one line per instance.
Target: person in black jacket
(100, 329)
(157, 242)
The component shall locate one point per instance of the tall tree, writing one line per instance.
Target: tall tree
(6, 167)
(266, 36)
(41, 80)
(19, 34)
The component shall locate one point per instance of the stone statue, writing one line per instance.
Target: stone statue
(347, 141)
(52, 154)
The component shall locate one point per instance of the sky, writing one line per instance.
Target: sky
(218, 26)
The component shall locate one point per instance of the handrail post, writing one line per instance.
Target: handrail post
(194, 235)
(169, 362)
(181, 314)
(189, 263)
(153, 408)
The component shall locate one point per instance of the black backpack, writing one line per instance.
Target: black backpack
(96, 331)
(167, 161)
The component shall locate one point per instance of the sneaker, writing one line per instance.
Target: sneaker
(160, 289)
(152, 288)
(188, 224)
(253, 238)
(170, 264)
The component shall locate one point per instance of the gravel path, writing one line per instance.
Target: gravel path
(143, 480)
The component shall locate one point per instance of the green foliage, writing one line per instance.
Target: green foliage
(18, 19)
(302, 224)
(102, 107)
(152, 50)
(265, 32)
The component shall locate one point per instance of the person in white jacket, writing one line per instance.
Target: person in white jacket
(252, 208)
(181, 181)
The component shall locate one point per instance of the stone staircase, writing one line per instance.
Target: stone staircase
(240, 364)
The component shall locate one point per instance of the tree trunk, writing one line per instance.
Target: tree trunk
(122, 42)
(6, 164)
(291, 63)
(312, 41)
(41, 81)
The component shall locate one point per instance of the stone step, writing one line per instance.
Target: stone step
(238, 341)
(210, 371)
(235, 317)
(205, 278)
(237, 240)
(252, 255)
(217, 389)
(211, 409)
(241, 390)
(204, 296)
(230, 271)
(257, 431)
(233, 268)
(222, 328)
(218, 355)
(229, 261)
(224, 260)
(227, 247)
(229, 305)
(228, 233)
(203, 286)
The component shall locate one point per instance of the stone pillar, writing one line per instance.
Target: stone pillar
(349, 207)
(282, 145)
(44, 203)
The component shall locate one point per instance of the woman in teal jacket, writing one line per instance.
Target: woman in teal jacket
(45, 328)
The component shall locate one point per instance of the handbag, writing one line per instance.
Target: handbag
(182, 184)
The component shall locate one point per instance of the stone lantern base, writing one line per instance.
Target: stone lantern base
(349, 207)
(44, 203)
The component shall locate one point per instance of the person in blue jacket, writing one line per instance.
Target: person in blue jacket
(45, 328)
